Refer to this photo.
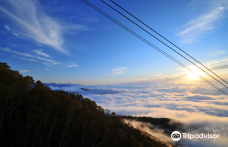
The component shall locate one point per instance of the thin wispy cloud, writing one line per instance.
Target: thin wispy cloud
(118, 71)
(220, 67)
(25, 58)
(36, 23)
(22, 71)
(215, 53)
(7, 27)
(40, 52)
(71, 64)
(15, 34)
(204, 23)
(38, 44)
(174, 78)
(142, 79)
(47, 62)
(74, 28)
(15, 52)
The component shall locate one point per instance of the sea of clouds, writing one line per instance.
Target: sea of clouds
(198, 105)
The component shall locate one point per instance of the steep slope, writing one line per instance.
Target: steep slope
(32, 114)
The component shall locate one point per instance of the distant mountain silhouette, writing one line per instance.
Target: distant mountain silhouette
(85, 89)
(61, 85)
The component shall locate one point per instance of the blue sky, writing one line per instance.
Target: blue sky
(69, 42)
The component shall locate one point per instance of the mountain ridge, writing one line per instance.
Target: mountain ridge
(32, 114)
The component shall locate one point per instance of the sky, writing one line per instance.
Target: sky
(68, 45)
(69, 42)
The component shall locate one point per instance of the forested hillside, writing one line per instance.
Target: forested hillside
(32, 114)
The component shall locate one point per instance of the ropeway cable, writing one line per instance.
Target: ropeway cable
(135, 34)
(165, 39)
(149, 43)
(163, 43)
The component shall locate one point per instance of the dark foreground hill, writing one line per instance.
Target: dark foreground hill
(32, 114)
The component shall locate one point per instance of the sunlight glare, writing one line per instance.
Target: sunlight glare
(193, 76)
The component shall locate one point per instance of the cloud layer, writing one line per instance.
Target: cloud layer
(197, 105)
(195, 98)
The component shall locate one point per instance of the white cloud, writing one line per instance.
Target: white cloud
(221, 65)
(74, 28)
(71, 64)
(40, 52)
(215, 53)
(118, 71)
(38, 44)
(24, 71)
(142, 79)
(25, 58)
(15, 34)
(48, 62)
(19, 53)
(205, 22)
(36, 23)
(7, 27)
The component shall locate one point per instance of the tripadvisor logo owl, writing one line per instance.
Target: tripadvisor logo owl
(176, 135)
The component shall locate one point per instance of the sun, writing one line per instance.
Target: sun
(193, 76)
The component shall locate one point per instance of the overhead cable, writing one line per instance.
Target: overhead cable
(168, 45)
(149, 43)
(168, 41)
